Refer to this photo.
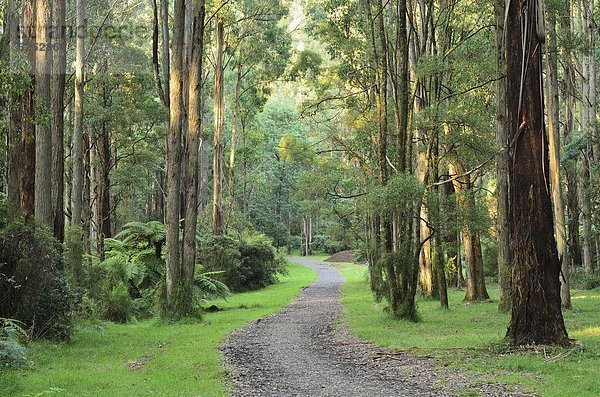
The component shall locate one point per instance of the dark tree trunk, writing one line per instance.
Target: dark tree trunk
(58, 119)
(536, 306)
(27, 188)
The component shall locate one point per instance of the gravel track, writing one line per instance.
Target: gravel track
(300, 352)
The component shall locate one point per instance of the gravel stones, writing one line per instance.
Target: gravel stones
(300, 352)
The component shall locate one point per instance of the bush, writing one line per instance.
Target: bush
(33, 288)
(249, 264)
(132, 276)
(13, 353)
(585, 281)
(119, 305)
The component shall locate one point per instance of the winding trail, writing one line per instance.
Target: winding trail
(298, 352)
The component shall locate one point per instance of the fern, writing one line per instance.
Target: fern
(207, 288)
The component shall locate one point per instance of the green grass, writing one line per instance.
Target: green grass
(183, 359)
(469, 336)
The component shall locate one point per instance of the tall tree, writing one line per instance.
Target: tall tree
(43, 134)
(175, 303)
(536, 307)
(58, 120)
(219, 120)
(502, 225)
(28, 170)
(552, 99)
(77, 189)
(194, 140)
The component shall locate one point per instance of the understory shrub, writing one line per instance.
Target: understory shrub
(585, 281)
(133, 274)
(33, 287)
(13, 353)
(247, 264)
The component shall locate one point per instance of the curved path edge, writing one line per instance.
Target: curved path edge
(301, 351)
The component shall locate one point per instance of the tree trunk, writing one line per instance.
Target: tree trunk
(175, 305)
(586, 211)
(43, 133)
(536, 307)
(195, 136)
(232, 146)
(77, 190)
(571, 164)
(27, 188)
(15, 109)
(438, 249)
(58, 119)
(554, 154)
(465, 199)
(166, 56)
(504, 271)
(219, 115)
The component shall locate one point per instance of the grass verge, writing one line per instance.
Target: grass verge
(147, 358)
(469, 336)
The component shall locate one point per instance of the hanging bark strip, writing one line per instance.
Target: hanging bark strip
(536, 307)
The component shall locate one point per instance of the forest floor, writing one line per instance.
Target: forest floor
(469, 338)
(302, 351)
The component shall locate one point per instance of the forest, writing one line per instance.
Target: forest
(241, 197)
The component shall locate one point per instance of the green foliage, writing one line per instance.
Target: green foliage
(400, 195)
(13, 353)
(585, 281)
(119, 305)
(73, 255)
(33, 288)
(133, 273)
(247, 264)
(308, 63)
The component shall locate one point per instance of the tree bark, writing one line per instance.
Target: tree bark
(195, 137)
(574, 245)
(58, 119)
(174, 303)
(476, 289)
(554, 154)
(219, 115)
(77, 190)
(588, 120)
(536, 316)
(43, 133)
(504, 271)
(15, 109)
(232, 146)
(27, 188)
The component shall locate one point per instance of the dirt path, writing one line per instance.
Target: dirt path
(298, 352)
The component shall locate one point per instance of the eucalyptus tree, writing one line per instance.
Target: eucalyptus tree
(176, 304)
(536, 306)
(43, 133)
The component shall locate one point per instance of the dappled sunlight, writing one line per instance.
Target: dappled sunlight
(585, 297)
(587, 332)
